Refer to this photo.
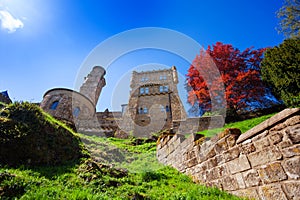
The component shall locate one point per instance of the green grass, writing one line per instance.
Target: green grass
(123, 153)
(146, 178)
(242, 125)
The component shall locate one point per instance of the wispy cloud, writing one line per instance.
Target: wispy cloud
(9, 22)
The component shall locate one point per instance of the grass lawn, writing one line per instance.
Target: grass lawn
(242, 125)
(145, 178)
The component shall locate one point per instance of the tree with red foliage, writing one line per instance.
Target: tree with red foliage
(224, 77)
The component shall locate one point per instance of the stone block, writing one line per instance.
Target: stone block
(209, 153)
(272, 173)
(190, 155)
(285, 143)
(292, 167)
(292, 121)
(185, 143)
(196, 149)
(240, 181)
(281, 116)
(275, 138)
(232, 138)
(266, 156)
(210, 175)
(220, 159)
(239, 164)
(171, 148)
(221, 146)
(212, 162)
(220, 171)
(200, 157)
(272, 192)
(248, 148)
(292, 189)
(214, 183)
(278, 127)
(251, 178)
(202, 166)
(231, 154)
(197, 168)
(291, 151)
(250, 193)
(229, 183)
(294, 133)
(179, 139)
(262, 143)
(192, 162)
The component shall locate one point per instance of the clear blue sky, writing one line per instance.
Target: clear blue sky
(43, 43)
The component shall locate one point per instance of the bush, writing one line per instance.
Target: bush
(280, 70)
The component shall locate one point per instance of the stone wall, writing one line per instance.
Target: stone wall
(196, 124)
(67, 101)
(263, 163)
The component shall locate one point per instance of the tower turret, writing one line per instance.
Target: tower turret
(175, 75)
(93, 84)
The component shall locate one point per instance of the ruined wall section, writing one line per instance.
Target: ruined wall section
(263, 163)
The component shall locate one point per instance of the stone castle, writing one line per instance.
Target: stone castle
(263, 163)
(154, 104)
(71, 106)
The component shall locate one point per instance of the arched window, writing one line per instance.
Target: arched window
(145, 110)
(167, 109)
(142, 90)
(161, 88)
(141, 110)
(76, 112)
(54, 105)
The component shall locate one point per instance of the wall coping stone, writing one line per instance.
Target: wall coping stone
(279, 117)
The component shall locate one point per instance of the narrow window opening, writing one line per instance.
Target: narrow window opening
(54, 105)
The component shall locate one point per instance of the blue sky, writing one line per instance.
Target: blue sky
(45, 43)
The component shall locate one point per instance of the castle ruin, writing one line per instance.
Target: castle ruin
(71, 106)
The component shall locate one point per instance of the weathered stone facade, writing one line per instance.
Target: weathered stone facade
(153, 103)
(103, 124)
(62, 103)
(263, 163)
(72, 106)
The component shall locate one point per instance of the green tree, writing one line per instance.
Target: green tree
(281, 70)
(289, 16)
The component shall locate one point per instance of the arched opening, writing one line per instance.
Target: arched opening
(54, 105)
(76, 112)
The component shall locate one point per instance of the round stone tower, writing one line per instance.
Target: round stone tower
(69, 105)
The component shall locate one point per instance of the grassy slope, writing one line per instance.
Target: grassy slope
(146, 179)
(242, 125)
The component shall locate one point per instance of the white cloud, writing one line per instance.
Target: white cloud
(9, 23)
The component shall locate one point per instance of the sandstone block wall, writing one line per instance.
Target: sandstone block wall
(263, 163)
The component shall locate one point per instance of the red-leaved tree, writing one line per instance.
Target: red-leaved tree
(224, 77)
